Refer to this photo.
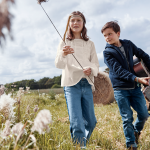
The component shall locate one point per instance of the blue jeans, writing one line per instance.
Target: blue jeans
(79, 99)
(126, 99)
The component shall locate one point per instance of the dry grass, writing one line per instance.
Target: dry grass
(108, 134)
(47, 91)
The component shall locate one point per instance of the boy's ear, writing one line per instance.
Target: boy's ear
(118, 33)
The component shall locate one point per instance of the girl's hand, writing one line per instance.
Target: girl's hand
(144, 80)
(67, 50)
(87, 71)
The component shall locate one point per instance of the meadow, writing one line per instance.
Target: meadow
(49, 91)
(108, 134)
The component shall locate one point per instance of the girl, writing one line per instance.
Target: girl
(77, 85)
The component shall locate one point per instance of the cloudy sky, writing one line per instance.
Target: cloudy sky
(32, 53)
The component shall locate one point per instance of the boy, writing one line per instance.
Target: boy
(118, 56)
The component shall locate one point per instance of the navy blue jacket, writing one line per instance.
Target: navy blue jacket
(121, 72)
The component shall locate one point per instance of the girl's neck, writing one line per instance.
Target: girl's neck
(77, 35)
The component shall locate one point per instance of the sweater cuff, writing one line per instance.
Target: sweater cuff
(94, 71)
(61, 55)
(133, 77)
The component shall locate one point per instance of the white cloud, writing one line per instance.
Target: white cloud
(31, 55)
(100, 55)
(102, 68)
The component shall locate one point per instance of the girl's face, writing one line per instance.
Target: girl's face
(76, 24)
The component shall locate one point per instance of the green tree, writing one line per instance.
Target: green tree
(49, 83)
(42, 82)
(31, 83)
(57, 80)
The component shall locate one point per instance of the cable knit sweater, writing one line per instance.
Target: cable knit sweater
(85, 53)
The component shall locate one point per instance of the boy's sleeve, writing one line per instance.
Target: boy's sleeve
(115, 66)
(94, 61)
(141, 54)
(60, 61)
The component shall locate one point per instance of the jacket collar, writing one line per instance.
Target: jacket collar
(123, 42)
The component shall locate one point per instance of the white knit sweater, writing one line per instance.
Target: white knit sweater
(72, 72)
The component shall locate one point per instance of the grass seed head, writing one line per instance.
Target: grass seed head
(28, 109)
(36, 108)
(41, 1)
(6, 106)
(2, 90)
(41, 122)
(17, 129)
(5, 18)
(6, 131)
(33, 139)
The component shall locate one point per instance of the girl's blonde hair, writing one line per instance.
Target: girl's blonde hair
(68, 33)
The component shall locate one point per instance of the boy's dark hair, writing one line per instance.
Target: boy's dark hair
(112, 24)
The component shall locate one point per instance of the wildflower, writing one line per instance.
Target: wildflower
(41, 122)
(21, 88)
(27, 88)
(6, 106)
(36, 108)
(17, 130)
(10, 93)
(6, 131)
(43, 94)
(57, 96)
(2, 89)
(20, 92)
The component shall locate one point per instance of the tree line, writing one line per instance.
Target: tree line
(44, 83)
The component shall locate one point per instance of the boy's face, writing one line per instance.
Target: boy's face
(110, 36)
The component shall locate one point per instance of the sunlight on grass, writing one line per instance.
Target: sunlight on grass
(108, 134)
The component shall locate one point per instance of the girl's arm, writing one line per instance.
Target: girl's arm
(94, 61)
(60, 60)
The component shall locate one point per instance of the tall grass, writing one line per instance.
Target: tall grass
(108, 134)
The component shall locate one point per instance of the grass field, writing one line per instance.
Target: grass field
(108, 134)
(47, 91)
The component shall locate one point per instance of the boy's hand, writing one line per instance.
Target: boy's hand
(87, 71)
(144, 80)
(67, 50)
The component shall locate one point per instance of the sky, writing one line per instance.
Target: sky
(32, 53)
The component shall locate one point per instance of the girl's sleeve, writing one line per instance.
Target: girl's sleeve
(60, 61)
(94, 61)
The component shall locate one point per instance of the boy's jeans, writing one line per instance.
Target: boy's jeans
(79, 99)
(134, 98)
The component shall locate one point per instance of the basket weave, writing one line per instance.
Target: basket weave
(103, 93)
